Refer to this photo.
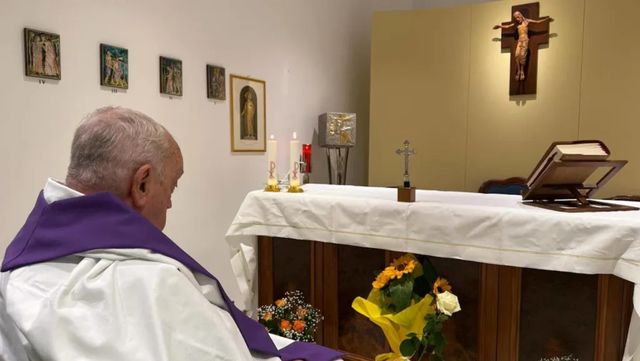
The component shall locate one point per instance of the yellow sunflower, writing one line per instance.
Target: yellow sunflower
(381, 280)
(441, 285)
(402, 266)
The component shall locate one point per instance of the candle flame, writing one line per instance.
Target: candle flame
(295, 135)
(272, 137)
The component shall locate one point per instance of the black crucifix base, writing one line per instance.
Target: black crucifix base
(406, 194)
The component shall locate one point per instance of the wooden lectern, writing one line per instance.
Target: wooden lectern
(559, 181)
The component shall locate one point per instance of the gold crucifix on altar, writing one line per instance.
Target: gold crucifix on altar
(523, 35)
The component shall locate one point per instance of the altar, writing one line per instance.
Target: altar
(533, 283)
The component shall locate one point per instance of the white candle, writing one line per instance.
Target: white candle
(294, 159)
(272, 157)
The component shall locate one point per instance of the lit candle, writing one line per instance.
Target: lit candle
(272, 156)
(306, 154)
(294, 159)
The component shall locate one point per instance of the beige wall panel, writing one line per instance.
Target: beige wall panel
(419, 90)
(508, 135)
(610, 106)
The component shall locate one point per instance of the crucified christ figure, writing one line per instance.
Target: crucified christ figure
(522, 47)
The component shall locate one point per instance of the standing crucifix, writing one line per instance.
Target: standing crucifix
(523, 35)
(406, 152)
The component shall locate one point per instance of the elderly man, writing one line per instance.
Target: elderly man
(91, 276)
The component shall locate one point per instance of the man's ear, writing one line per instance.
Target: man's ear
(140, 186)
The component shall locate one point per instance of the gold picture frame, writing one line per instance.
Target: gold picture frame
(248, 113)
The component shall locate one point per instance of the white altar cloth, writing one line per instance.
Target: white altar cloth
(488, 228)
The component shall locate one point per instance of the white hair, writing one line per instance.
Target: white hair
(110, 144)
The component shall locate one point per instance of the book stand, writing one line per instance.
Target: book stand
(560, 187)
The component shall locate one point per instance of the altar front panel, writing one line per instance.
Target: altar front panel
(508, 313)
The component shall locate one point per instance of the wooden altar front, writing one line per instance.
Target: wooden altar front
(508, 313)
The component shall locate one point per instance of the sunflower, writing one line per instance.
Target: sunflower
(381, 280)
(403, 265)
(441, 285)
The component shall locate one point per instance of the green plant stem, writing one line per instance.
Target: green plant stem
(424, 351)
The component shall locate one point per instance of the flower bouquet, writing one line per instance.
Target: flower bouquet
(410, 304)
(291, 317)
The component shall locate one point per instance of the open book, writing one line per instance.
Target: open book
(569, 174)
(585, 150)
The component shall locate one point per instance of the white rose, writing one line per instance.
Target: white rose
(447, 303)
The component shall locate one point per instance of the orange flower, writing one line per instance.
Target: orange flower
(301, 312)
(267, 316)
(280, 302)
(298, 325)
(441, 285)
(285, 325)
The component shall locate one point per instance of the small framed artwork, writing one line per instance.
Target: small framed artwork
(114, 66)
(216, 88)
(170, 76)
(42, 54)
(248, 114)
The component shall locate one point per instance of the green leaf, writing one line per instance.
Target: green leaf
(409, 346)
(401, 292)
(440, 343)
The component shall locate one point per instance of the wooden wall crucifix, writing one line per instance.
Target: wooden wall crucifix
(523, 35)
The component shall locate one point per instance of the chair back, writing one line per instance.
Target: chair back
(513, 185)
(632, 198)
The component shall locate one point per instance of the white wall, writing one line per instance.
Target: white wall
(399, 5)
(313, 55)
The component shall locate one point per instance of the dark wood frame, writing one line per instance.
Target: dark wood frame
(163, 60)
(103, 49)
(499, 304)
(210, 70)
(27, 31)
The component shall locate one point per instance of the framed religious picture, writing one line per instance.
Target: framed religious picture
(170, 76)
(42, 54)
(248, 114)
(216, 88)
(114, 66)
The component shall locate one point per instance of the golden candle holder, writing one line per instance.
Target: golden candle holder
(295, 189)
(272, 186)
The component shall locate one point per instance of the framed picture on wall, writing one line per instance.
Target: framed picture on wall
(170, 76)
(248, 114)
(42, 54)
(216, 87)
(114, 66)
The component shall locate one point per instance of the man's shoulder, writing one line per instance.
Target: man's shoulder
(100, 275)
(116, 264)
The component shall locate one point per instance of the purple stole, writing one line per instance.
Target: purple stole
(102, 221)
